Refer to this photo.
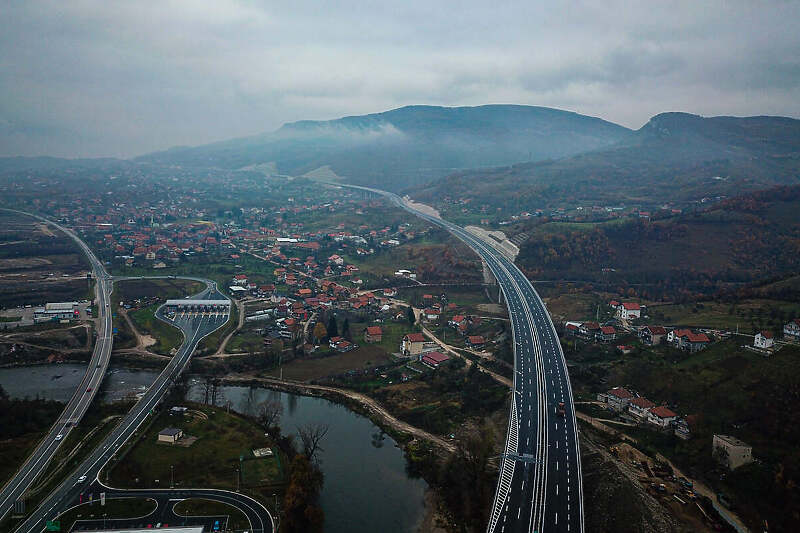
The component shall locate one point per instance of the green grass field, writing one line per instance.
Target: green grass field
(167, 337)
(748, 315)
(211, 461)
(309, 369)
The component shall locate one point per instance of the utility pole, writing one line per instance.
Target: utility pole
(171, 476)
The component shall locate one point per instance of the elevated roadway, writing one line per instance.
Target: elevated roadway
(195, 327)
(85, 392)
(540, 485)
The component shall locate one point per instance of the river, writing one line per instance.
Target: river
(366, 486)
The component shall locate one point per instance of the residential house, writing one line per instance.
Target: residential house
(412, 344)
(476, 342)
(373, 334)
(640, 407)
(434, 359)
(652, 335)
(731, 451)
(334, 342)
(629, 310)
(686, 339)
(661, 416)
(240, 280)
(764, 340)
(618, 398)
(606, 334)
(345, 346)
(336, 260)
(682, 428)
(431, 314)
(791, 331)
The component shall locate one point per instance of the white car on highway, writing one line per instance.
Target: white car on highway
(59, 436)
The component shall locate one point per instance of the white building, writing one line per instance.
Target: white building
(764, 340)
(661, 416)
(791, 331)
(731, 452)
(56, 311)
(629, 310)
(640, 407)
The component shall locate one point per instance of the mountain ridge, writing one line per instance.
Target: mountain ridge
(409, 145)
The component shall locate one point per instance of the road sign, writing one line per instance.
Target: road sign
(102, 499)
(53, 525)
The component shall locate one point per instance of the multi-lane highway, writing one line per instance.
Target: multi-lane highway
(194, 326)
(84, 394)
(540, 487)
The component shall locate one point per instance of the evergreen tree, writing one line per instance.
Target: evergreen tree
(410, 315)
(346, 329)
(333, 330)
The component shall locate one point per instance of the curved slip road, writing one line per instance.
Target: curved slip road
(540, 486)
(194, 328)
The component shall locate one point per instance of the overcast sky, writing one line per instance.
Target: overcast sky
(105, 78)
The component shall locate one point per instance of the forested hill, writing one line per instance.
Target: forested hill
(410, 145)
(674, 157)
(721, 250)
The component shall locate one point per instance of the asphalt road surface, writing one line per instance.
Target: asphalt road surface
(540, 486)
(195, 326)
(84, 394)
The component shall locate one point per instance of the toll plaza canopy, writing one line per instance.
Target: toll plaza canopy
(199, 305)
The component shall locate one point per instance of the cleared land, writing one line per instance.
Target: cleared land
(210, 461)
(316, 368)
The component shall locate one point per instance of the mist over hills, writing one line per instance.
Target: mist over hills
(411, 145)
(674, 157)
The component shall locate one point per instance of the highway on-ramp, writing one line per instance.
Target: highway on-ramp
(194, 326)
(540, 486)
(84, 394)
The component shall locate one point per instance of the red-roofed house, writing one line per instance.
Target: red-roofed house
(434, 359)
(764, 340)
(661, 416)
(476, 342)
(606, 334)
(652, 335)
(629, 310)
(412, 343)
(640, 407)
(618, 398)
(373, 334)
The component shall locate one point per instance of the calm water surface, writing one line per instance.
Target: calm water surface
(366, 486)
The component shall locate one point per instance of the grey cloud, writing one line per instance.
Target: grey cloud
(96, 78)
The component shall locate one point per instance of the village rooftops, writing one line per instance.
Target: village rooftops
(663, 412)
(621, 393)
(415, 337)
(642, 403)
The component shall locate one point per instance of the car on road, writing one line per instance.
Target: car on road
(89, 389)
(59, 436)
(81, 479)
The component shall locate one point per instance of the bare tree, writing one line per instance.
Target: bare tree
(311, 436)
(269, 413)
